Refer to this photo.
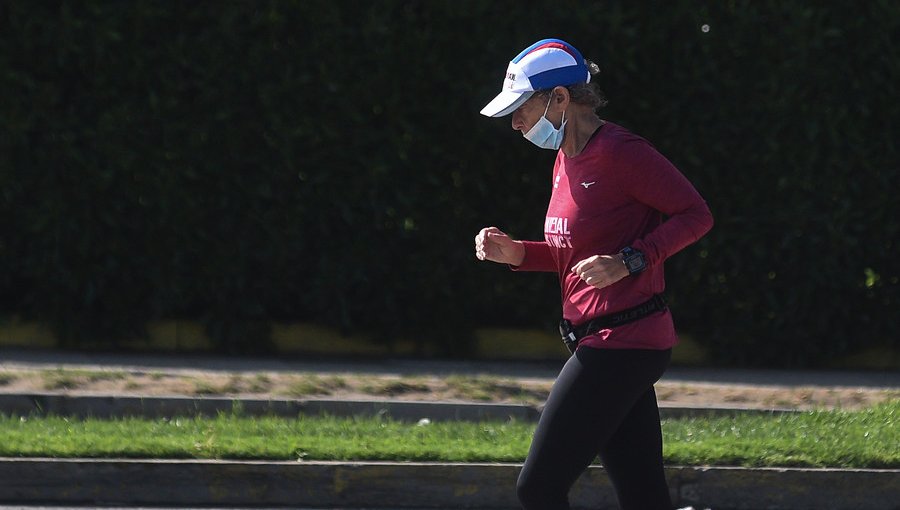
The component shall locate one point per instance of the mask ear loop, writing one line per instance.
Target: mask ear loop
(547, 109)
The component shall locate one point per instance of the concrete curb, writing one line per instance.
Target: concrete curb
(108, 406)
(415, 485)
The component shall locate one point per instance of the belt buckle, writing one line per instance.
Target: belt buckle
(567, 332)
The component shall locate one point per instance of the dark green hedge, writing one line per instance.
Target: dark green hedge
(249, 162)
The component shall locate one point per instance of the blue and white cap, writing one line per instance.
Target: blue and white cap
(543, 65)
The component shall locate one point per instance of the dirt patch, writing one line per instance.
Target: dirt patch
(452, 388)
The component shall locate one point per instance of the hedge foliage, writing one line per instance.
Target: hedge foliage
(246, 162)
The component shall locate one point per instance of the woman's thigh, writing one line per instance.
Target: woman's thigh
(593, 394)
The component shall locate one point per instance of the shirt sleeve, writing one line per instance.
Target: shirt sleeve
(537, 258)
(653, 180)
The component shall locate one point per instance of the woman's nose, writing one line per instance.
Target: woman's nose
(517, 123)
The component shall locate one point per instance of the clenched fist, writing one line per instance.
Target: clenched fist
(494, 245)
(601, 270)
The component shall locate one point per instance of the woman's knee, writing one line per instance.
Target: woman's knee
(534, 494)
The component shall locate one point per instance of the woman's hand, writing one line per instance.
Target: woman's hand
(601, 270)
(492, 244)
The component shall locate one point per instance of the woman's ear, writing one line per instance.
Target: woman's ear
(561, 97)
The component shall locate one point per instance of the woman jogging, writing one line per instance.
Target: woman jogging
(618, 210)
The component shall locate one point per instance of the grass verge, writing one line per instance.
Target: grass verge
(61, 379)
(857, 439)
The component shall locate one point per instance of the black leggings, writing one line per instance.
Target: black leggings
(603, 403)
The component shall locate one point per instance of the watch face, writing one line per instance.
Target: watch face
(635, 262)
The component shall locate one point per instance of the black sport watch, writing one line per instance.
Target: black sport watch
(633, 260)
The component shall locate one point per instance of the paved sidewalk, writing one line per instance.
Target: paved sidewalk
(415, 485)
(24, 358)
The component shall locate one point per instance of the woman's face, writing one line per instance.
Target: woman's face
(527, 115)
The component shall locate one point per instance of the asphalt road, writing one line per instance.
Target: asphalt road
(144, 508)
(2, 507)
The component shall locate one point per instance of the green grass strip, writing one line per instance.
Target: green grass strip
(859, 439)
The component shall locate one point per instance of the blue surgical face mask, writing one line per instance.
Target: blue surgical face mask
(543, 134)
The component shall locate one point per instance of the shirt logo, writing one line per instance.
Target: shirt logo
(557, 233)
(588, 184)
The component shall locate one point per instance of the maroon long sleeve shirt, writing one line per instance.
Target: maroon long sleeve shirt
(619, 191)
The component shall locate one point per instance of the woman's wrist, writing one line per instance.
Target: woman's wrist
(518, 255)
